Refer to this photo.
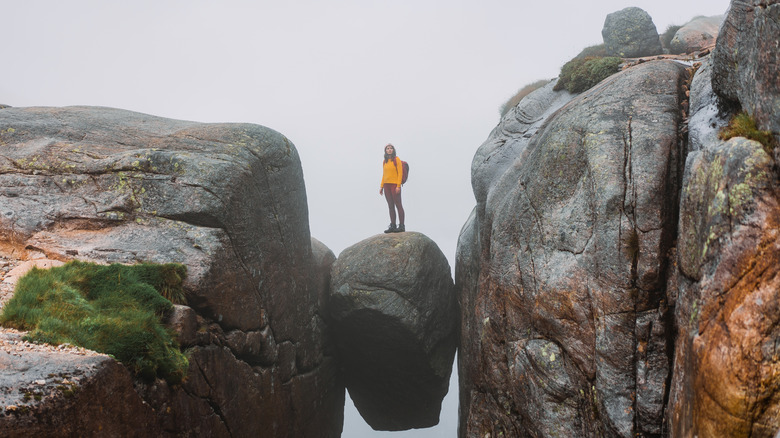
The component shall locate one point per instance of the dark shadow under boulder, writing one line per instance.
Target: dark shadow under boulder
(395, 324)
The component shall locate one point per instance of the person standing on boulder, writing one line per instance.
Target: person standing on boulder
(392, 174)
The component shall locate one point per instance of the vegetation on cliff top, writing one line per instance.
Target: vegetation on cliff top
(581, 73)
(115, 309)
(599, 50)
(575, 76)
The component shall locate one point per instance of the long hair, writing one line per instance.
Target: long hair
(390, 156)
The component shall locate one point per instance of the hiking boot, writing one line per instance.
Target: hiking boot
(400, 229)
(392, 229)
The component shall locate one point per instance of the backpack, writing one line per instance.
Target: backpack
(405, 167)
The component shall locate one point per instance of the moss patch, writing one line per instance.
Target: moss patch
(580, 74)
(744, 125)
(115, 309)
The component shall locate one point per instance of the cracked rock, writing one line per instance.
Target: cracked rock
(563, 261)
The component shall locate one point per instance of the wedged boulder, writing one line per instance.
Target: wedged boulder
(698, 34)
(746, 60)
(226, 200)
(395, 316)
(564, 318)
(630, 33)
(726, 379)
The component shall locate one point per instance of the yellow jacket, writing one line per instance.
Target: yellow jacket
(392, 173)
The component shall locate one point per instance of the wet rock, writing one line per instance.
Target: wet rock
(323, 262)
(564, 321)
(252, 401)
(725, 373)
(64, 393)
(725, 378)
(394, 316)
(226, 200)
(118, 186)
(746, 59)
(706, 118)
(316, 325)
(510, 138)
(467, 266)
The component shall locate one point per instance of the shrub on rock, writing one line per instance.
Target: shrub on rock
(580, 74)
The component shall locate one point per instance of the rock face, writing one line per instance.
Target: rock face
(564, 333)
(705, 116)
(630, 33)
(726, 371)
(63, 392)
(395, 322)
(510, 138)
(746, 59)
(696, 35)
(726, 367)
(596, 301)
(226, 200)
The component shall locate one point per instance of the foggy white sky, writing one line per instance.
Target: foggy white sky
(339, 78)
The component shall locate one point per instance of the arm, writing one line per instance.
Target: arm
(399, 173)
(382, 182)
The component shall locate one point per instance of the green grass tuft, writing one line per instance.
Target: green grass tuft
(166, 279)
(744, 125)
(115, 309)
(580, 74)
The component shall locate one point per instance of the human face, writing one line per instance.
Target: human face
(389, 149)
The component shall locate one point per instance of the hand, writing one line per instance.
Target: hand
(381, 190)
(398, 190)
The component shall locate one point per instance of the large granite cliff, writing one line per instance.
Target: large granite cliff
(227, 201)
(619, 274)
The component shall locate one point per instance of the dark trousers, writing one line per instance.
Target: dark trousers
(393, 203)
